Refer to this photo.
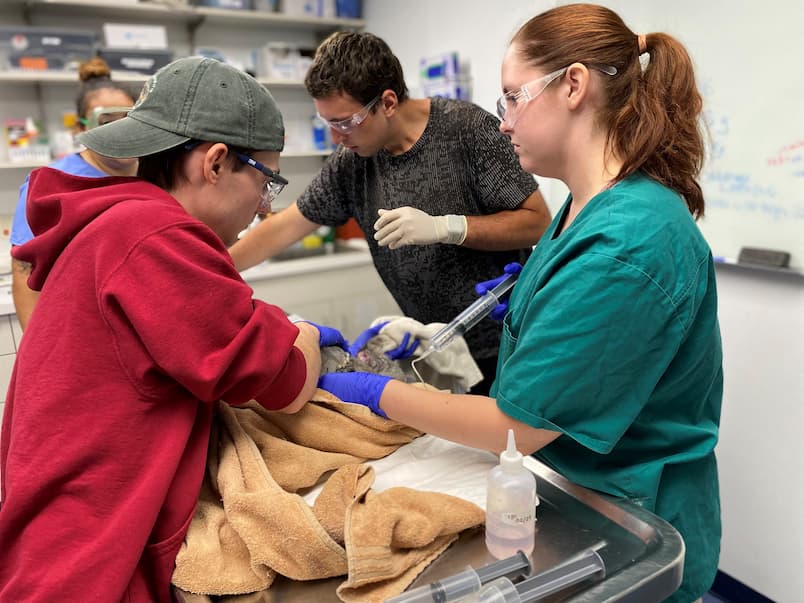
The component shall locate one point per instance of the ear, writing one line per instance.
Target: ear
(388, 103)
(578, 77)
(214, 160)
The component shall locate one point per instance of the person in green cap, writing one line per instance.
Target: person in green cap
(142, 325)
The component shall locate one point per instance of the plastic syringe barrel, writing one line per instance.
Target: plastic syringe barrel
(473, 314)
(501, 590)
(512, 567)
(562, 576)
(466, 582)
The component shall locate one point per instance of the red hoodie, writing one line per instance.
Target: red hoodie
(142, 325)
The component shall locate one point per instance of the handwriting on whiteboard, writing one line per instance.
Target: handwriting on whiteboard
(791, 155)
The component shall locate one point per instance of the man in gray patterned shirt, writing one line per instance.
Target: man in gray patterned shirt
(435, 186)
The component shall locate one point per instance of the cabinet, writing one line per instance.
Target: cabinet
(10, 337)
(342, 290)
(235, 33)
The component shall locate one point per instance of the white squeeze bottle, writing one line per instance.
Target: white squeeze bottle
(510, 505)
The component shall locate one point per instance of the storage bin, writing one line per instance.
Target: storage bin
(26, 47)
(348, 9)
(135, 60)
(265, 5)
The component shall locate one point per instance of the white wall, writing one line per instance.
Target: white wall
(759, 460)
(479, 30)
(762, 315)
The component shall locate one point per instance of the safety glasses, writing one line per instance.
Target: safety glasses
(510, 104)
(100, 116)
(273, 184)
(345, 126)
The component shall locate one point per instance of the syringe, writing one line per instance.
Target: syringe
(589, 566)
(466, 582)
(473, 314)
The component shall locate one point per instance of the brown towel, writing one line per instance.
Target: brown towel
(251, 523)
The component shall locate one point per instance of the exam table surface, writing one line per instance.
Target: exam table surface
(644, 554)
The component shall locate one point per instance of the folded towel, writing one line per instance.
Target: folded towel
(251, 521)
(452, 368)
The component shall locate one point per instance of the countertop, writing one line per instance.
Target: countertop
(306, 265)
(343, 258)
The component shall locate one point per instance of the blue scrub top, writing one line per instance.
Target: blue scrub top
(71, 164)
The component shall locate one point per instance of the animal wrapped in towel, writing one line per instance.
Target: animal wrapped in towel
(252, 523)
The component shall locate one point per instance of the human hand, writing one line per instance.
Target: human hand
(481, 288)
(329, 336)
(357, 388)
(410, 226)
(401, 352)
(361, 340)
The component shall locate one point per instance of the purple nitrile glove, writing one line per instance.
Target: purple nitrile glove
(498, 313)
(328, 336)
(356, 388)
(402, 351)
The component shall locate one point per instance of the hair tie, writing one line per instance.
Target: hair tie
(642, 43)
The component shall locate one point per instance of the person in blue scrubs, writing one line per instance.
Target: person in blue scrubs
(610, 365)
(99, 101)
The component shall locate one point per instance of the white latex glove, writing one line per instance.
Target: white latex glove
(410, 226)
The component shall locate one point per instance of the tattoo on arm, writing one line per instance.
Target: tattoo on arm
(23, 267)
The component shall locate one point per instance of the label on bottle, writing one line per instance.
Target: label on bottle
(512, 518)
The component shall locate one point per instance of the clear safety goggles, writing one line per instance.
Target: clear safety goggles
(510, 104)
(345, 126)
(100, 116)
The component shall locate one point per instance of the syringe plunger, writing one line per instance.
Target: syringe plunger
(473, 314)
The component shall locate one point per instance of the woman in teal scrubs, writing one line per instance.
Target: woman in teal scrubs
(610, 366)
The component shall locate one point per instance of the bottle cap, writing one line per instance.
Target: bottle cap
(511, 458)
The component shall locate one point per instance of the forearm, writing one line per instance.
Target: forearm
(24, 297)
(464, 418)
(307, 343)
(269, 237)
(513, 229)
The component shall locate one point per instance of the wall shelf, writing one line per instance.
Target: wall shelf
(123, 77)
(23, 165)
(193, 15)
(61, 77)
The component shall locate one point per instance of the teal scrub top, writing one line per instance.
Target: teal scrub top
(612, 339)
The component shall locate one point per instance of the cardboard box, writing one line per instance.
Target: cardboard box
(300, 8)
(135, 60)
(443, 75)
(124, 35)
(25, 47)
(278, 61)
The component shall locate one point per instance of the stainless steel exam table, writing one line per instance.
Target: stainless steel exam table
(644, 554)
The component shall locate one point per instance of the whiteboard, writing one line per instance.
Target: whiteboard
(749, 59)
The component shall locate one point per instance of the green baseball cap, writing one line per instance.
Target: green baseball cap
(194, 98)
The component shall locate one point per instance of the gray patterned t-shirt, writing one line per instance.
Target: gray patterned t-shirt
(462, 164)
